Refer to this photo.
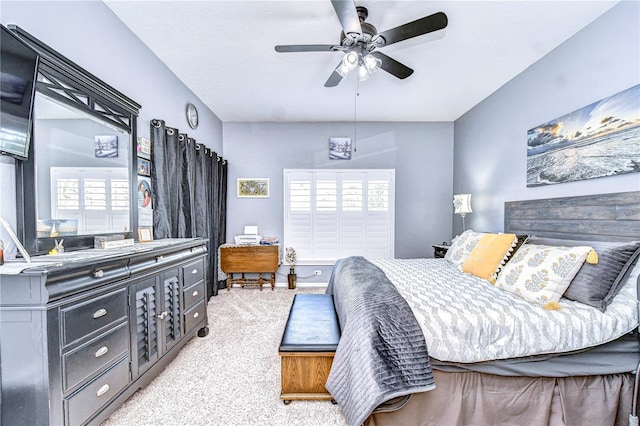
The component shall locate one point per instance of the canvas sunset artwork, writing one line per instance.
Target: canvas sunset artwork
(601, 139)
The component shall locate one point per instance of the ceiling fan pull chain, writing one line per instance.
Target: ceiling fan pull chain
(355, 115)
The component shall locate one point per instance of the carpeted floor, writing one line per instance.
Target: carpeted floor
(232, 376)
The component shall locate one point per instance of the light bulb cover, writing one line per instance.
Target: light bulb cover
(350, 60)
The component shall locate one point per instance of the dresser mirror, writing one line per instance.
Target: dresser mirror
(82, 172)
(78, 180)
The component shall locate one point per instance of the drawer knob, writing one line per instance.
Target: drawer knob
(103, 350)
(99, 273)
(196, 315)
(195, 293)
(195, 271)
(104, 389)
(99, 313)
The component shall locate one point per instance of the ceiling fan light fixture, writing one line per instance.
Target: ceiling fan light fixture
(368, 66)
(371, 62)
(350, 61)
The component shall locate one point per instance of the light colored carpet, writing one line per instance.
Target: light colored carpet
(232, 376)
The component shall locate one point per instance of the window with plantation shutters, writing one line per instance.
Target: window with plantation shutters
(331, 214)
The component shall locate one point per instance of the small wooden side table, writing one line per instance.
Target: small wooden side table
(440, 250)
(249, 259)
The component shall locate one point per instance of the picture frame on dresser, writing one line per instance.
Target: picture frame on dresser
(145, 234)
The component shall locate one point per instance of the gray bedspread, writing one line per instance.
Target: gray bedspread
(382, 352)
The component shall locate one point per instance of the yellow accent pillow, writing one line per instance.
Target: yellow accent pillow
(488, 256)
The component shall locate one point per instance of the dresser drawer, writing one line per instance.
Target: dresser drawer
(193, 272)
(94, 355)
(194, 315)
(82, 319)
(193, 295)
(86, 402)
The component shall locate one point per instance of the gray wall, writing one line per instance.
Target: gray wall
(421, 154)
(88, 33)
(491, 140)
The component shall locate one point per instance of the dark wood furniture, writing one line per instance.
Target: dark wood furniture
(249, 259)
(307, 348)
(81, 336)
(440, 250)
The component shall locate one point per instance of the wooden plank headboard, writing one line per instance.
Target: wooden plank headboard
(601, 217)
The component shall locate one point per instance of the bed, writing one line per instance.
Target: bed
(424, 343)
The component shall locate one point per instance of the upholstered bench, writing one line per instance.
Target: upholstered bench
(307, 348)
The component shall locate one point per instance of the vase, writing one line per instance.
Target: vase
(292, 279)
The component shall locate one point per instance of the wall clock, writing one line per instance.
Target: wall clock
(192, 115)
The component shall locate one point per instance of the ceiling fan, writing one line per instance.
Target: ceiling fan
(359, 41)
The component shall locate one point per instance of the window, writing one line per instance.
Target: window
(331, 214)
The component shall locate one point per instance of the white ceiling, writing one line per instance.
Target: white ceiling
(224, 52)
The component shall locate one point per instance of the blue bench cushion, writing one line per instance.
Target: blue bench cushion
(312, 325)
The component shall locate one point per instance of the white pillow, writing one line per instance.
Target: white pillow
(541, 274)
(461, 247)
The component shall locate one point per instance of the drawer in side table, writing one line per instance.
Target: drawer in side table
(94, 355)
(82, 319)
(97, 393)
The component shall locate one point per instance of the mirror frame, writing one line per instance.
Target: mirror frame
(64, 81)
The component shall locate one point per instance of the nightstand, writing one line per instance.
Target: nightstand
(439, 250)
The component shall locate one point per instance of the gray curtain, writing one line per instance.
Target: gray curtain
(189, 184)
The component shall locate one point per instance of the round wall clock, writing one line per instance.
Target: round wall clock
(192, 115)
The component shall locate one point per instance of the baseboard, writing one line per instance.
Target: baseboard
(302, 285)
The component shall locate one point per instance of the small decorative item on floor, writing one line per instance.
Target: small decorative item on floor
(290, 257)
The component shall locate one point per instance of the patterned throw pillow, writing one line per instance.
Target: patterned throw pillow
(489, 255)
(461, 247)
(541, 274)
(596, 285)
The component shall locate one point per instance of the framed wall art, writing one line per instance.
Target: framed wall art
(601, 139)
(143, 147)
(253, 187)
(144, 167)
(339, 148)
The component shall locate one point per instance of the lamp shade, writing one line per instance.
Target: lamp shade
(462, 204)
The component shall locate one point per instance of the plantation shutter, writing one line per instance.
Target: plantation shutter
(331, 214)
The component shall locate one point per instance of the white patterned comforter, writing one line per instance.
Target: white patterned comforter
(466, 319)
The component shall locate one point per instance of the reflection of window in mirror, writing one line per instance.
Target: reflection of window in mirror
(82, 172)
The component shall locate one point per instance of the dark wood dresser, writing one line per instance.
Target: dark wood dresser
(82, 335)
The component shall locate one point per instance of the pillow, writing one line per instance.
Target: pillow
(522, 239)
(461, 247)
(489, 255)
(596, 285)
(541, 274)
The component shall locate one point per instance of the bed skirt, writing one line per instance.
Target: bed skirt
(472, 398)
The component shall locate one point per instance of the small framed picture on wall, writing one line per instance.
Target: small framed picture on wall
(144, 167)
(143, 147)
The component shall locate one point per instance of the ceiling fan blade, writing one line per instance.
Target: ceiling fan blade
(392, 66)
(348, 16)
(421, 26)
(305, 48)
(334, 78)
